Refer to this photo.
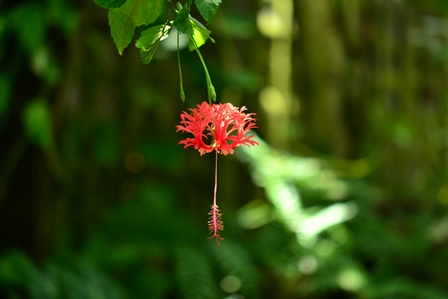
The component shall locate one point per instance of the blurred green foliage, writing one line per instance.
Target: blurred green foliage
(349, 200)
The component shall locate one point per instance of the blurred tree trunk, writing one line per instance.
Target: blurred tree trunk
(276, 22)
(323, 58)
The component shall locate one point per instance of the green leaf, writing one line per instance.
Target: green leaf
(208, 8)
(151, 35)
(37, 123)
(200, 34)
(148, 55)
(149, 41)
(182, 21)
(110, 3)
(133, 13)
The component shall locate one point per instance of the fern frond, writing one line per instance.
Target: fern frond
(194, 274)
(234, 259)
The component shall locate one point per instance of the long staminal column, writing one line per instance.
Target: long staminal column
(215, 223)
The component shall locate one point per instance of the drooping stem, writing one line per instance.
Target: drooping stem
(210, 88)
(182, 93)
(172, 7)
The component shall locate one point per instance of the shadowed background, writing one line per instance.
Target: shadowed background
(345, 197)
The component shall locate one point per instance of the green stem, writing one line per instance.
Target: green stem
(210, 88)
(182, 93)
(172, 7)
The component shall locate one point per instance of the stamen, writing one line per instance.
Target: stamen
(215, 223)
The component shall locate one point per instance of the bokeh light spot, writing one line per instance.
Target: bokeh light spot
(307, 264)
(134, 162)
(230, 284)
(351, 280)
(442, 195)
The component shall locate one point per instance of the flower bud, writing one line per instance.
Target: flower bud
(182, 96)
(212, 93)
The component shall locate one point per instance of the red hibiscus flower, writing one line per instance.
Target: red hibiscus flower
(219, 127)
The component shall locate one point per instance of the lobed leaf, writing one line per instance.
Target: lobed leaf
(133, 13)
(182, 21)
(147, 55)
(200, 34)
(208, 8)
(149, 41)
(110, 3)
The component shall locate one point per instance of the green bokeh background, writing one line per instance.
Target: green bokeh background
(345, 197)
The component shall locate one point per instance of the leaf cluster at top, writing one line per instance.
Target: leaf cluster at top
(126, 15)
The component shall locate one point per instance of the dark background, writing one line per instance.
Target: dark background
(346, 196)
